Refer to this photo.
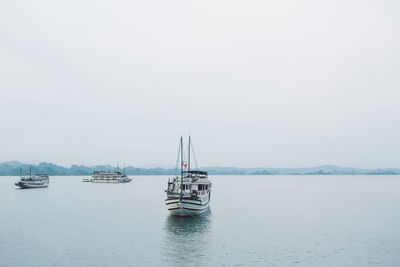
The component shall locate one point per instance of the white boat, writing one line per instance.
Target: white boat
(109, 177)
(85, 180)
(33, 181)
(188, 194)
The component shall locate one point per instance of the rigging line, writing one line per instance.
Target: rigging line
(177, 158)
(197, 217)
(191, 215)
(194, 155)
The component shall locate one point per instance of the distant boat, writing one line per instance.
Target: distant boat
(33, 181)
(86, 180)
(188, 194)
(109, 177)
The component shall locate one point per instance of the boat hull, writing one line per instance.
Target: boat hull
(26, 186)
(186, 207)
(110, 181)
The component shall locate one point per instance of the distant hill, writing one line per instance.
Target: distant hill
(11, 168)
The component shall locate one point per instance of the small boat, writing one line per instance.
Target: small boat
(109, 177)
(188, 194)
(33, 181)
(85, 180)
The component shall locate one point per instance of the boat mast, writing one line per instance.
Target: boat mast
(30, 171)
(20, 170)
(181, 167)
(189, 155)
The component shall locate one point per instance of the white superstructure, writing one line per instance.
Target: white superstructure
(109, 177)
(188, 194)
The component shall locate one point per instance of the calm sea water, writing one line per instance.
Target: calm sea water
(253, 221)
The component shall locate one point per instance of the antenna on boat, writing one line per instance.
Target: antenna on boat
(30, 171)
(117, 166)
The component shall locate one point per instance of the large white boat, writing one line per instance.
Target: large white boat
(109, 177)
(188, 194)
(33, 181)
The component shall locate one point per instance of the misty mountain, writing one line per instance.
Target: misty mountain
(12, 168)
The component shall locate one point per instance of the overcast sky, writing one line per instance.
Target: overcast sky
(256, 83)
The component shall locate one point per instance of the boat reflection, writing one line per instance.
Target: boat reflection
(187, 238)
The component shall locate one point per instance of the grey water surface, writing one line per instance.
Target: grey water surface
(253, 221)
